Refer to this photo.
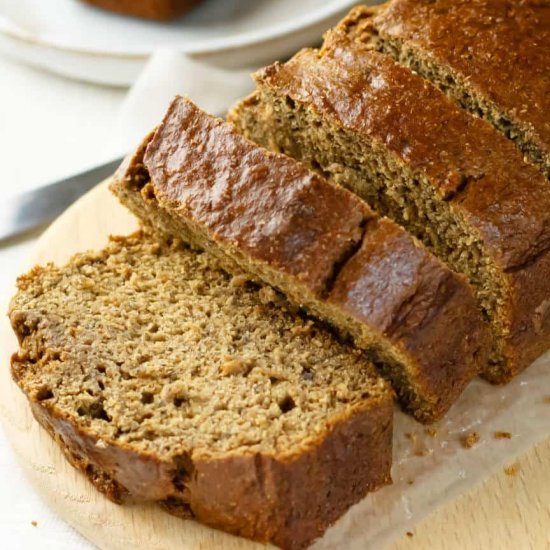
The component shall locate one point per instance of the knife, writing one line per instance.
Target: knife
(22, 213)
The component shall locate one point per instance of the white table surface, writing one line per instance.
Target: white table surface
(50, 127)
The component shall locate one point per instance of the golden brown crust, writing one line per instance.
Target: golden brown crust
(287, 500)
(265, 204)
(528, 311)
(209, 180)
(500, 48)
(470, 165)
(160, 10)
(426, 311)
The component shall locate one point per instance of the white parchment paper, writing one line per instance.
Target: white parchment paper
(432, 466)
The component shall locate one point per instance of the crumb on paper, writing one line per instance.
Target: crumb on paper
(409, 534)
(512, 469)
(410, 482)
(418, 447)
(469, 440)
(503, 435)
(34, 523)
(432, 432)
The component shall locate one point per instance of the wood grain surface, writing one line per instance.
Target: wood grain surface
(508, 511)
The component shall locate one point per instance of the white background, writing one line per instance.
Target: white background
(50, 127)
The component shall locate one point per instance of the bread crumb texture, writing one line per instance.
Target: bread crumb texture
(151, 346)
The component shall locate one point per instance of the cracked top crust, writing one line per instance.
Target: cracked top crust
(362, 273)
(267, 204)
(467, 161)
(501, 46)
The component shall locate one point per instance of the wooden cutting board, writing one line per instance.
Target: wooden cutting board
(507, 511)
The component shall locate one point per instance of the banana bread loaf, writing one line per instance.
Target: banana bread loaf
(160, 10)
(164, 379)
(197, 179)
(450, 178)
(491, 56)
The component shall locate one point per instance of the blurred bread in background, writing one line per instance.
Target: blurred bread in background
(160, 10)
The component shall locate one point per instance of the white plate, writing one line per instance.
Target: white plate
(77, 40)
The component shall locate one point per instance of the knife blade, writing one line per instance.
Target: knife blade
(32, 209)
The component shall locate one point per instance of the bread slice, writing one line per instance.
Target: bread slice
(159, 10)
(449, 178)
(199, 180)
(164, 379)
(490, 56)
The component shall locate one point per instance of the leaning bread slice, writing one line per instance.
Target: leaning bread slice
(268, 215)
(449, 178)
(491, 56)
(164, 379)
